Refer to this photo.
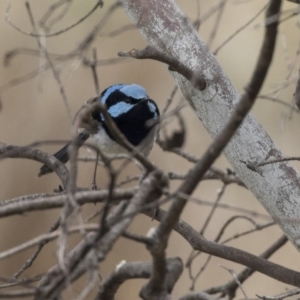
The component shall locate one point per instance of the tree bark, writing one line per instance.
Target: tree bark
(276, 186)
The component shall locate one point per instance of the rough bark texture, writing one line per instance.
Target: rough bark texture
(276, 186)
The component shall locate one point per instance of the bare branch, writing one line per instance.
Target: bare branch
(261, 265)
(149, 52)
(21, 205)
(231, 287)
(37, 155)
(197, 296)
(34, 34)
(297, 93)
(132, 270)
(280, 297)
(150, 189)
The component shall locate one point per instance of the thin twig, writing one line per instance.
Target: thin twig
(34, 34)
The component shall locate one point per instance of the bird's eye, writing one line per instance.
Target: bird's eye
(96, 115)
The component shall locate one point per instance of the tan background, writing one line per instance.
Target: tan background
(34, 111)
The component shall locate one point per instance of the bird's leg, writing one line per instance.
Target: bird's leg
(94, 185)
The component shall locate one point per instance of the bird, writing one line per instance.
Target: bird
(135, 115)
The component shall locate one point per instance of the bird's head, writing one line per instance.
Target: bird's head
(132, 110)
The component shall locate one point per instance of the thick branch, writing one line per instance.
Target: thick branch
(297, 92)
(212, 153)
(277, 187)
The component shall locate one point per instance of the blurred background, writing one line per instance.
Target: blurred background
(35, 111)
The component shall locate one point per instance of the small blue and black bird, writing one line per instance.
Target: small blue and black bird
(134, 113)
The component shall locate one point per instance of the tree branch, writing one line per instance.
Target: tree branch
(136, 270)
(37, 155)
(277, 187)
(254, 262)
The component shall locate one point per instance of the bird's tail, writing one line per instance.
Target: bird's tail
(63, 154)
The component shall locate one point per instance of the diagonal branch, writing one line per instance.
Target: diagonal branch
(215, 149)
(135, 270)
(277, 187)
(254, 262)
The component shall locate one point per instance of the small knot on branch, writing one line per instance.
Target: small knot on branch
(196, 79)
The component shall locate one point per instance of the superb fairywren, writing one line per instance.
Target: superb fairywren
(135, 115)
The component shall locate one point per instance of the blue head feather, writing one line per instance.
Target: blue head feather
(119, 108)
(117, 97)
(153, 109)
(110, 90)
(130, 90)
(134, 91)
